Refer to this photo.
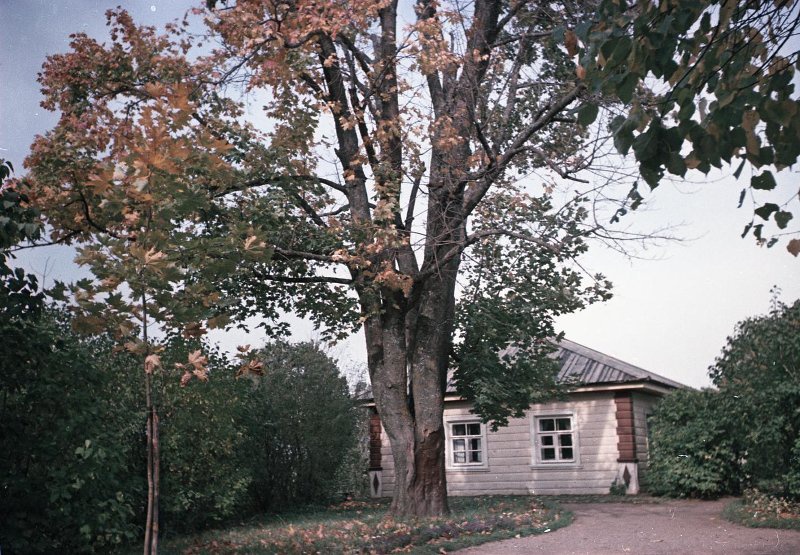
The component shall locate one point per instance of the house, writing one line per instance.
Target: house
(595, 438)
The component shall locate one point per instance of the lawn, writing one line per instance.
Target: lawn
(364, 527)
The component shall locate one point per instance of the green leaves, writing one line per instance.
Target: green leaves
(587, 114)
(713, 99)
(764, 181)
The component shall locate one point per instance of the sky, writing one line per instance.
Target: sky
(674, 305)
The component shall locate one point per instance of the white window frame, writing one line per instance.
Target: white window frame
(536, 441)
(449, 422)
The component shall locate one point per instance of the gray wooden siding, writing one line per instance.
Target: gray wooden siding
(511, 469)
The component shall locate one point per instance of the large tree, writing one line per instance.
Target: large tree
(398, 137)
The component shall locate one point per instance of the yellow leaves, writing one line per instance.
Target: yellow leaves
(571, 42)
(252, 243)
(389, 277)
(250, 368)
(155, 90)
(195, 367)
(151, 363)
(154, 258)
(100, 184)
(750, 120)
(691, 161)
(193, 329)
(218, 321)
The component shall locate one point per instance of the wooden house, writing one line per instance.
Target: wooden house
(595, 438)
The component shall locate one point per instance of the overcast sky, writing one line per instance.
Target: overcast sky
(670, 313)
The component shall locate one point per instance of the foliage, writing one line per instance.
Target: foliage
(73, 412)
(727, 71)
(747, 433)
(19, 292)
(617, 489)
(758, 376)
(759, 510)
(694, 450)
(301, 426)
(206, 429)
(70, 427)
(505, 317)
(355, 527)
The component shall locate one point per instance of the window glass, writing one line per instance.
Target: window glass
(546, 425)
(466, 443)
(555, 439)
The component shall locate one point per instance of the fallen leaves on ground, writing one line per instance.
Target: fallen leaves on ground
(365, 529)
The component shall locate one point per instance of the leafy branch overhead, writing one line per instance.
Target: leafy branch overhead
(709, 84)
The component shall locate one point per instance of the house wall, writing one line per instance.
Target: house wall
(510, 467)
(643, 406)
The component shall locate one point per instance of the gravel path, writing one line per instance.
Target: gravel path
(672, 527)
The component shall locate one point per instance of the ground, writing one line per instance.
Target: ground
(676, 526)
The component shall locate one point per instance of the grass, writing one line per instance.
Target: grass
(758, 510)
(364, 527)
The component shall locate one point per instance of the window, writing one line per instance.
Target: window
(466, 444)
(555, 439)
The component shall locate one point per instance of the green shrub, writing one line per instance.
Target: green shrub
(206, 470)
(301, 426)
(692, 449)
(70, 474)
(73, 446)
(746, 434)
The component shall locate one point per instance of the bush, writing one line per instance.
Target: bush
(301, 426)
(206, 468)
(73, 446)
(746, 434)
(70, 472)
(692, 449)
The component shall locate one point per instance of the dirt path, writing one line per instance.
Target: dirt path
(673, 527)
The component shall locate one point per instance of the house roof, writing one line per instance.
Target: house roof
(585, 367)
(589, 367)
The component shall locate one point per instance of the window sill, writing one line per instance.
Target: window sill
(467, 469)
(557, 466)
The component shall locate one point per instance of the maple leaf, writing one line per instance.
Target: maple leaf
(571, 42)
(252, 367)
(194, 329)
(151, 362)
(794, 247)
(252, 243)
(197, 359)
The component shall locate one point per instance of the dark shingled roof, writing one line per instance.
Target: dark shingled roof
(587, 367)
